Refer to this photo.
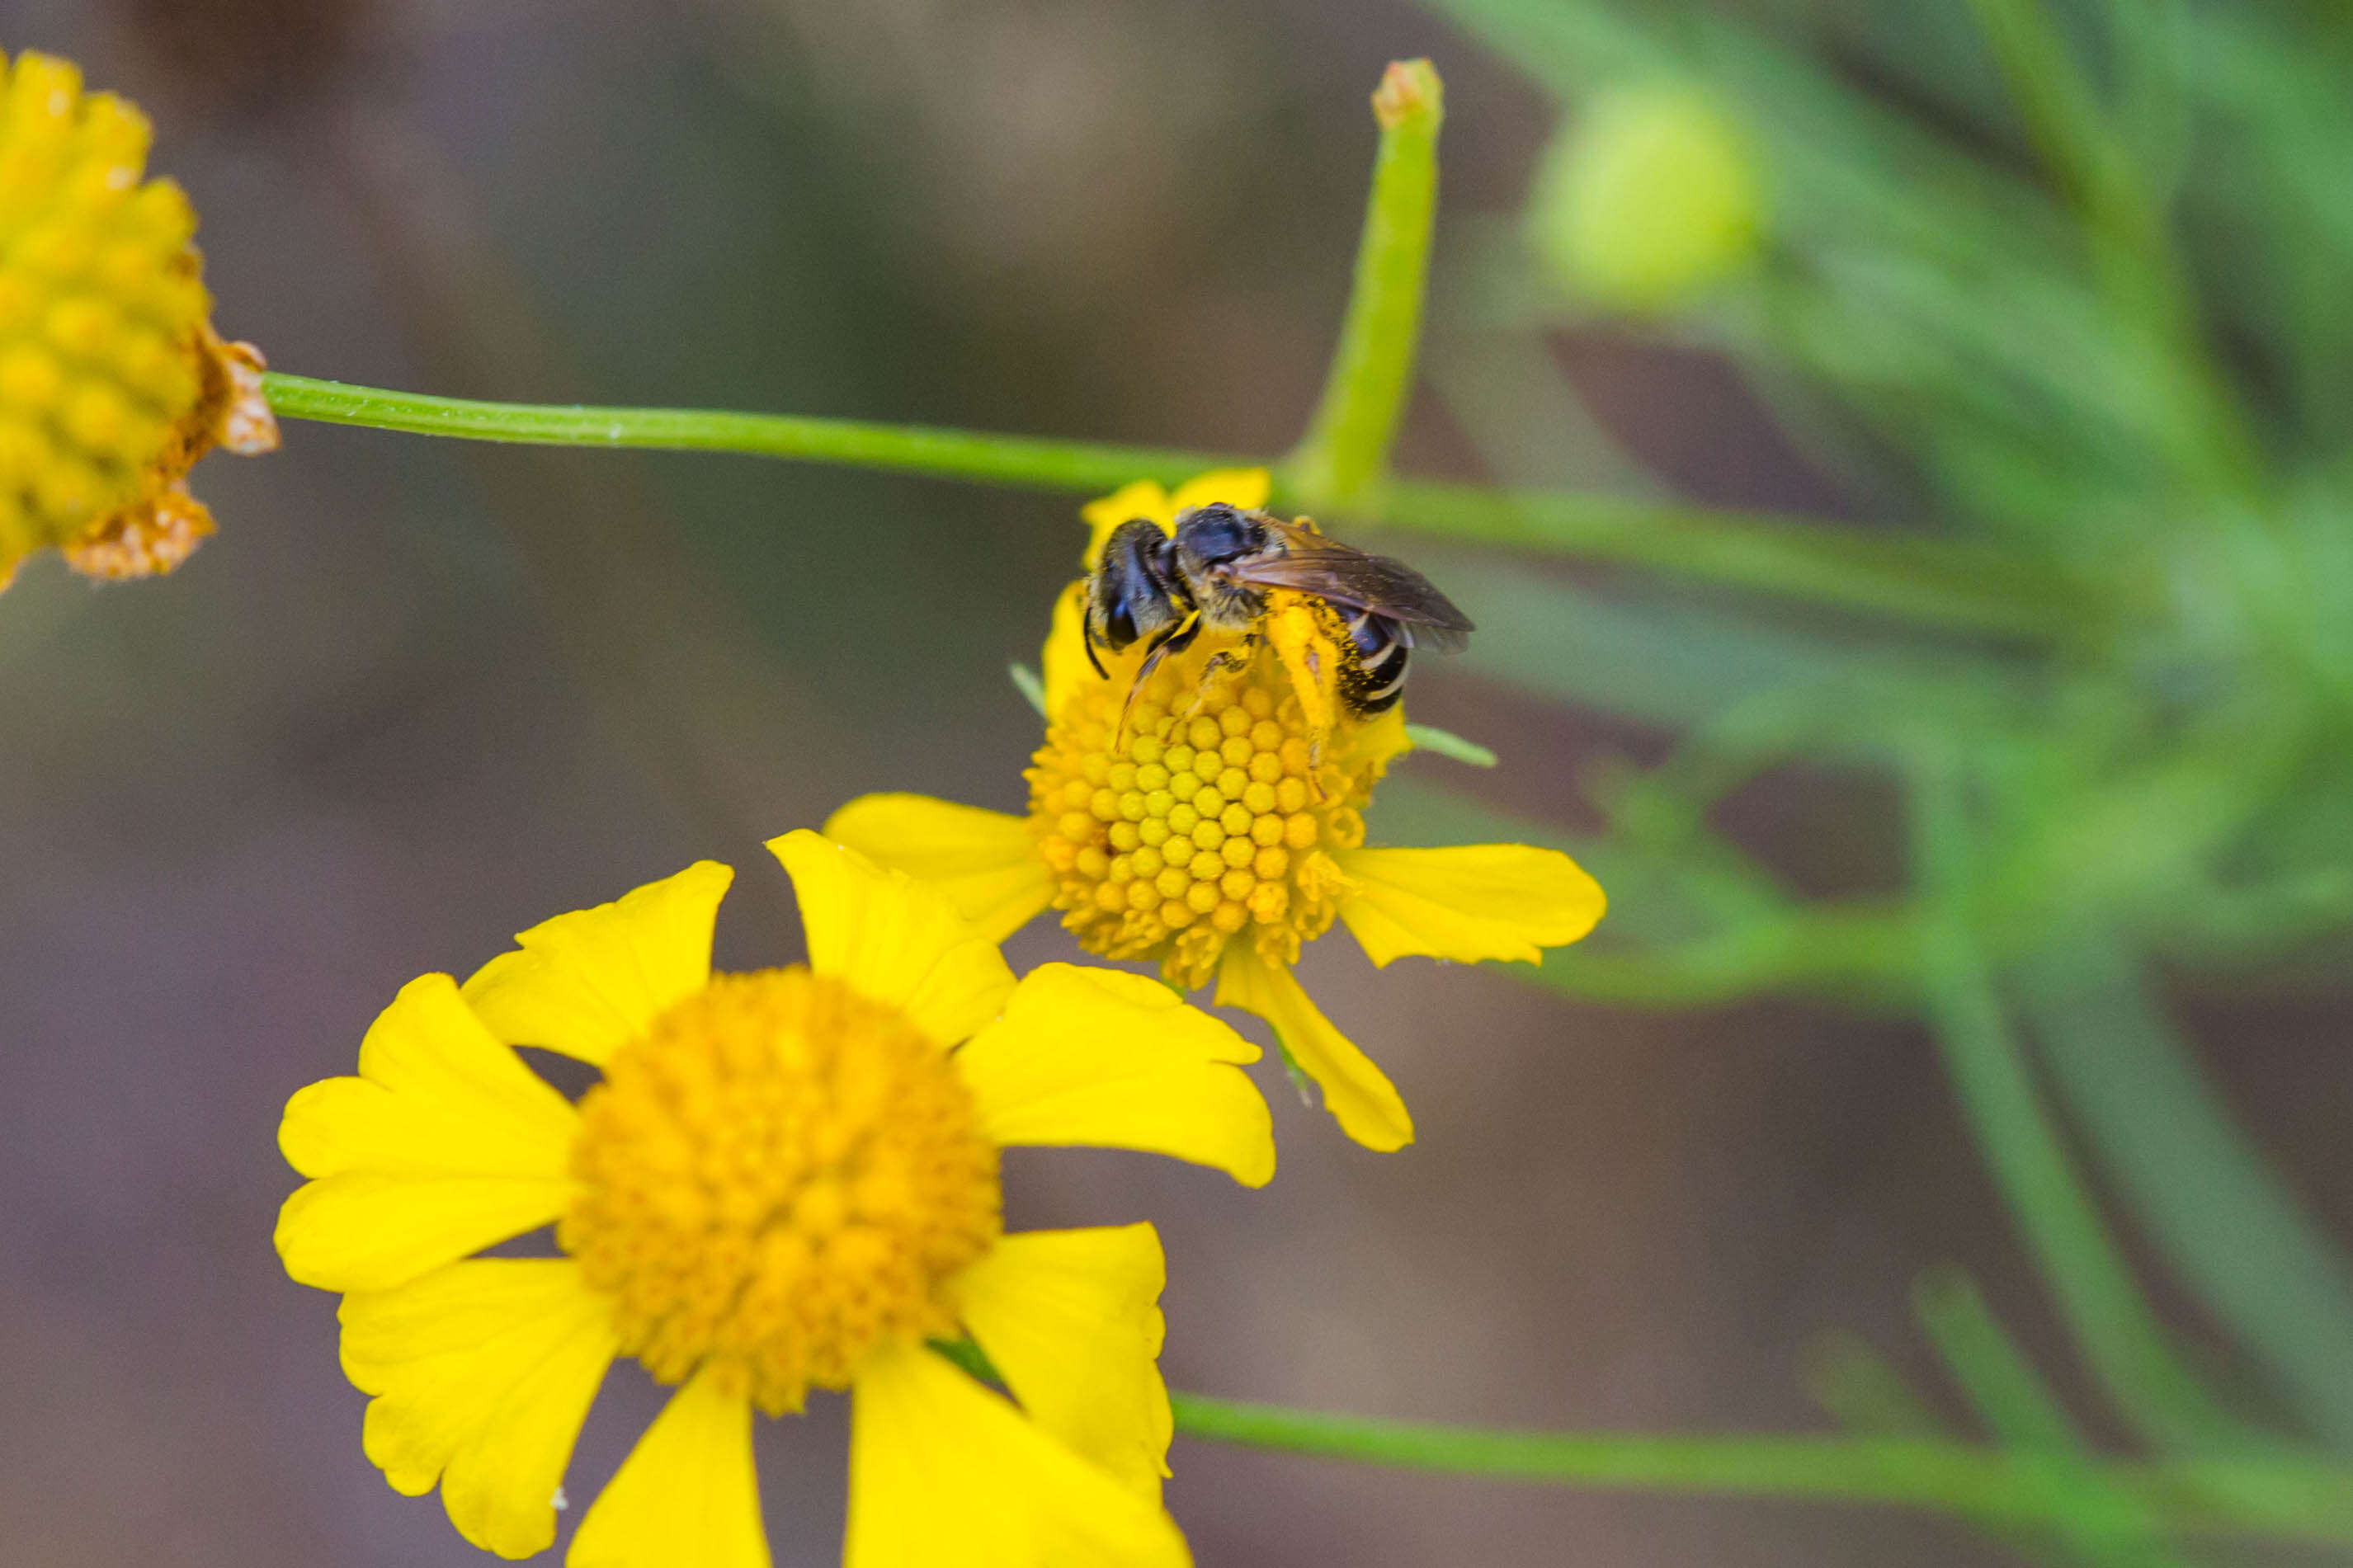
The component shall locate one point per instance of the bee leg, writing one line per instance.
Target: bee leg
(1225, 660)
(1175, 642)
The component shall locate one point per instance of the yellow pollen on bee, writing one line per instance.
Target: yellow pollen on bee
(777, 1179)
(1233, 803)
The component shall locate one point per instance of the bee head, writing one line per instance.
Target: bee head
(1134, 592)
(1213, 535)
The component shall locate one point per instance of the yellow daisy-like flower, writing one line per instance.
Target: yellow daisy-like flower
(1224, 827)
(112, 383)
(785, 1180)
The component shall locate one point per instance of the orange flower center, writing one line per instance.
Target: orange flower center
(780, 1177)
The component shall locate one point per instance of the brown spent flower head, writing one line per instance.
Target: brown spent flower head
(112, 382)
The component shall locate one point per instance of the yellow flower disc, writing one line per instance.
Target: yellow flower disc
(778, 1178)
(112, 381)
(1215, 815)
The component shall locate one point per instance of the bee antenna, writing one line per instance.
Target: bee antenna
(1087, 637)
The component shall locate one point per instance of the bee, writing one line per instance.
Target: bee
(1163, 590)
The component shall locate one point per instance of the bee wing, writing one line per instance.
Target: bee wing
(1312, 563)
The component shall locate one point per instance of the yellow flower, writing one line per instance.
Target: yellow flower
(111, 381)
(786, 1179)
(1648, 200)
(1225, 827)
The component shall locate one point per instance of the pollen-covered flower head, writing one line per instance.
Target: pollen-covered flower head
(1214, 823)
(785, 1180)
(112, 383)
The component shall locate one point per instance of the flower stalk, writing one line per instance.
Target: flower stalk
(2277, 1497)
(1950, 583)
(1346, 454)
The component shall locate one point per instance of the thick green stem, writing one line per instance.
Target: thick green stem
(1346, 450)
(1987, 1485)
(2120, 1335)
(1931, 581)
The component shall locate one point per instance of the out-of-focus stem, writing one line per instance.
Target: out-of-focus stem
(1929, 581)
(2275, 1497)
(2139, 264)
(2120, 1335)
(1347, 445)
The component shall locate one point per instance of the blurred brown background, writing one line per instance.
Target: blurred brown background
(417, 694)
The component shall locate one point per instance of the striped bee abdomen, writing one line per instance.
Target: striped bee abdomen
(1372, 675)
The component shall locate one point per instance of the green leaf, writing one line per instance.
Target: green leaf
(1446, 743)
(1026, 681)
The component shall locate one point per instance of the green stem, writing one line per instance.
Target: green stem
(1988, 1484)
(1937, 581)
(1916, 578)
(2137, 261)
(2204, 1189)
(1347, 445)
(2120, 1335)
(1074, 466)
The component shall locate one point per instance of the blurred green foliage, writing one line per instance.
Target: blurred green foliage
(2071, 285)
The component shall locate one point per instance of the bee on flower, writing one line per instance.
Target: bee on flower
(785, 1180)
(112, 382)
(1210, 816)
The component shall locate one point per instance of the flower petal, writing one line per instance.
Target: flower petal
(1072, 1319)
(985, 861)
(1469, 902)
(1244, 488)
(943, 1473)
(482, 1374)
(1064, 661)
(893, 939)
(1140, 497)
(446, 1142)
(588, 983)
(1103, 1059)
(686, 1494)
(1358, 1095)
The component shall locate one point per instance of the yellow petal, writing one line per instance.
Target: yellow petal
(482, 1372)
(1469, 902)
(444, 1143)
(588, 983)
(945, 1474)
(1143, 499)
(686, 1495)
(1102, 1058)
(985, 861)
(893, 939)
(1064, 662)
(1358, 1095)
(1072, 1319)
(1244, 488)
(365, 1232)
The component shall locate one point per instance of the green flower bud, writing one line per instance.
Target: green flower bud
(1647, 200)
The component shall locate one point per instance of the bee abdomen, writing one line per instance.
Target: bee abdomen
(1373, 677)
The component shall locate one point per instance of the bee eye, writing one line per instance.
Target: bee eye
(1119, 627)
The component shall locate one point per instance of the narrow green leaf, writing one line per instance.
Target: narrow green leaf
(2117, 1329)
(2210, 1198)
(1026, 681)
(1446, 743)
